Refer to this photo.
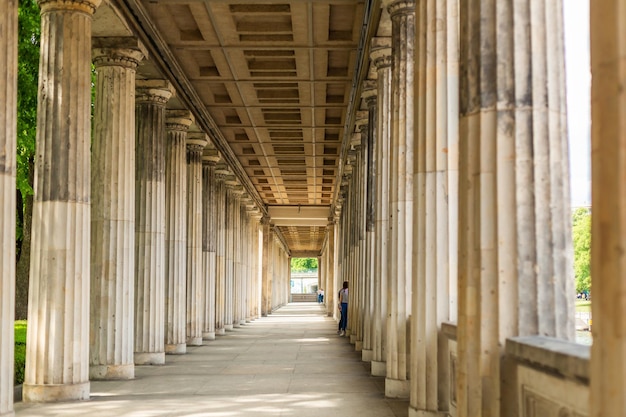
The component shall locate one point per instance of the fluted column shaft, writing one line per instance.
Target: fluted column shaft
(113, 210)
(177, 123)
(57, 356)
(209, 241)
(151, 97)
(608, 228)
(370, 223)
(8, 146)
(266, 292)
(401, 198)
(514, 226)
(330, 290)
(220, 269)
(229, 276)
(381, 59)
(195, 282)
(435, 182)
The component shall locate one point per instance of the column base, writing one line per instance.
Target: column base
(228, 327)
(242, 322)
(413, 412)
(352, 338)
(367, 355)
(208, 335)
(220, 331)
(176, 349)
(111, 372)
(194, 341)
(358, 345)
(8, 414)
(396, 388)
(329, 314)
(249, 319)
(51, 393)
(236, 325)
(379, 368)
(149, 358)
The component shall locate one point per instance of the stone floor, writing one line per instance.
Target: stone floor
(291, 363)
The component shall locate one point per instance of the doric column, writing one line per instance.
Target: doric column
(177, 123)
(331, 289)
(402, 14)
(229, 267)
(608, 228)
(113, 209)
(8, 145)
(151, 97)
(195, 282)
(210, 158)
(266, 289)
(381, 59)
(220, 269)
(514, 226)
(435, 179)
(57, 356)
(369, 169)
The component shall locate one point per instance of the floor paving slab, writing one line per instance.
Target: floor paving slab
(289, 364)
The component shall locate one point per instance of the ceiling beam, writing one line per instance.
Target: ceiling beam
(299, 215)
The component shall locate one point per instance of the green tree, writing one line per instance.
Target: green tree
(581, 235)
(27, 83)
(303, 264)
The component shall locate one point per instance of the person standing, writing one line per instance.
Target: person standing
(320, 295)
(343, 302)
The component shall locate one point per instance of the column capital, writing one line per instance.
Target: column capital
(210, 156)
(399, 7)
(124, 51)
(369, 92)
(179, 120)
(85, 6)
(380, 52)
(196, 141)
(153, 91)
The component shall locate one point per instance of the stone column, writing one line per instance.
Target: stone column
(113, 209)
(266, 289)
(229, 249)
(151, 97)
(436, 187)
(369, 169)
(331, 289)
(381, 59)
(514, 227)
(402, 14)
(57, 357)
(195, 282)
(608, 376)
(220, 271)
(210, 159)
(177, 123)
(8, 145)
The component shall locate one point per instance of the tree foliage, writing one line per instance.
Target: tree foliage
(27, 83)
(581, 234)
(303, 264)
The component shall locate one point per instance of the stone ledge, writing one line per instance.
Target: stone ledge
(560, 357)
(449, 330)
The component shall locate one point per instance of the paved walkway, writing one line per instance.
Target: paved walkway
(291, 363)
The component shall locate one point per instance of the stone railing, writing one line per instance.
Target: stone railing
(550, 377)
(449, 332)
(542, 376)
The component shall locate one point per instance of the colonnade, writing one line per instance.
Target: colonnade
(143, 240)
(454, 208)
(469, 166)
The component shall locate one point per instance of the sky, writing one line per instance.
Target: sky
(578, 72)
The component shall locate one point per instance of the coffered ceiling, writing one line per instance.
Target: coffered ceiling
(275, 78)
